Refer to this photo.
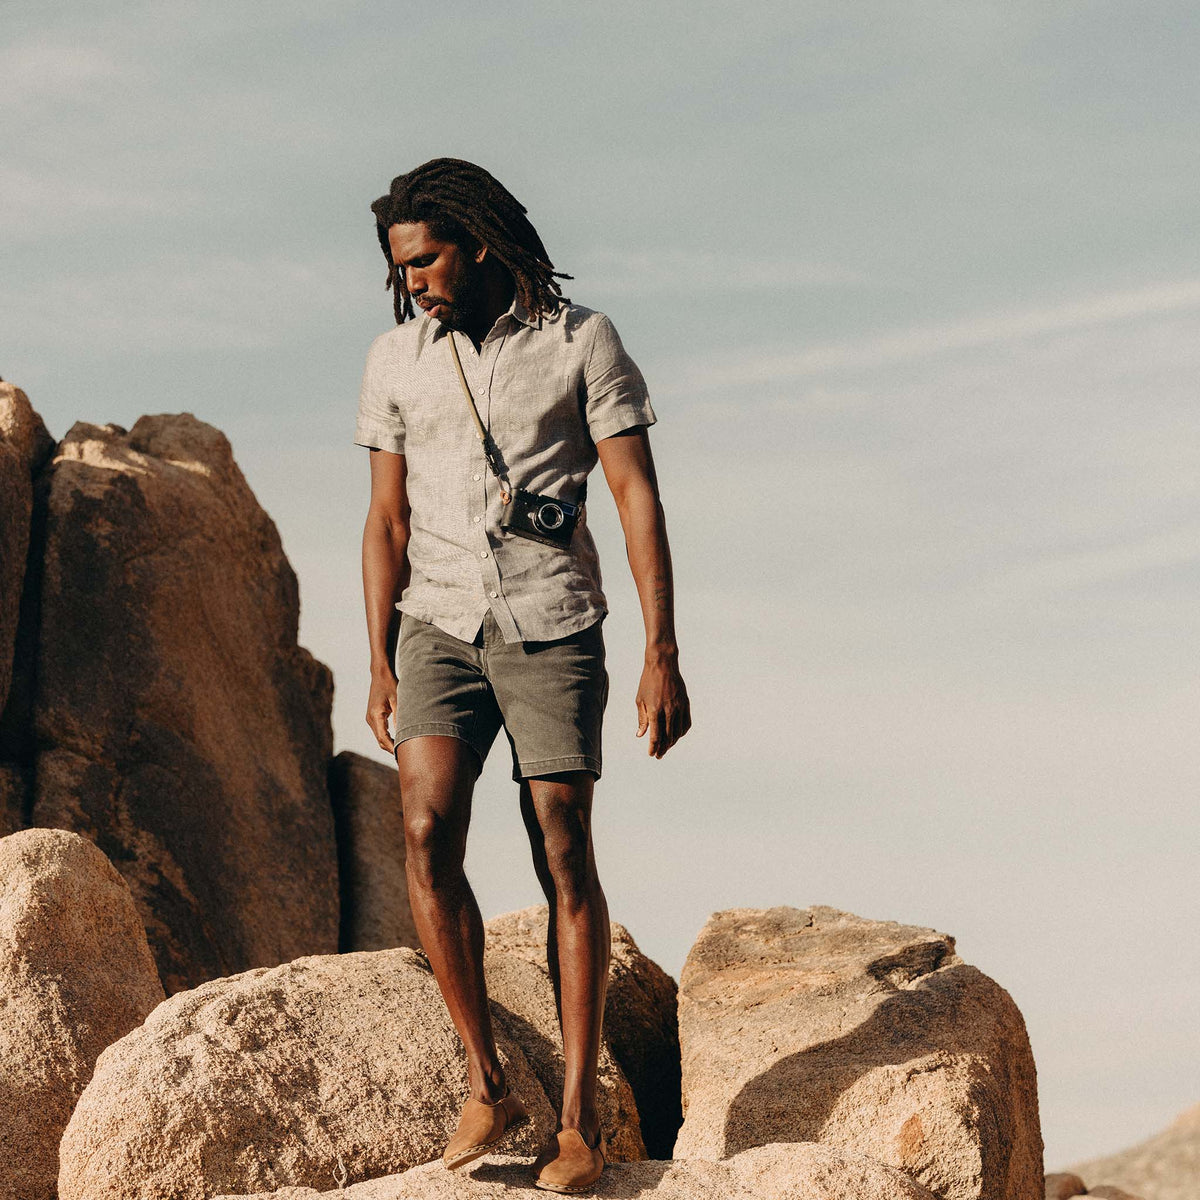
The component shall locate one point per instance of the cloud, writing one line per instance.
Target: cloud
(921, 342)
(618, 271)
(37, 71)
(39, 203)
(179, 302)
(1123, 560)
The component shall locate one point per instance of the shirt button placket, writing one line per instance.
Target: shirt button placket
(489, 566)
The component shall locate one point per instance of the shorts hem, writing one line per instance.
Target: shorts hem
(551, 766)
(437, 727)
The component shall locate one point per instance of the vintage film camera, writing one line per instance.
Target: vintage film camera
(541, 518)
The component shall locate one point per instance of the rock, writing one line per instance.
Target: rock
(1063, 1186)
(24, 447)
(869, 1036)
(76, 974)
(522, 996)
(640, 1019)
(1106, 1192)
(282, 1077)
(14, 790)
(182, 727)
(1164, 1167)
(369, 820)
(776, 1172)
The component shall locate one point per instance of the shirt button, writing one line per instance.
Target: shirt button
(478, 519)
(483, 554)
(474, 476)
(493, 594)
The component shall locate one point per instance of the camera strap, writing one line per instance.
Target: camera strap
(489, 450)
(489, 446)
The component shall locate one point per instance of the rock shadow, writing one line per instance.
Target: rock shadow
(947, 1013)
(543, 1055)
(614, 1184)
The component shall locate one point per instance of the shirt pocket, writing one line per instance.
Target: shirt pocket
(539, 410)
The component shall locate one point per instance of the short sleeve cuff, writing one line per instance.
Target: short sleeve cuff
(625, 417)
(378, 439)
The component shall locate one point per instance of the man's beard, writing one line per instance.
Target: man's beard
(467, 305)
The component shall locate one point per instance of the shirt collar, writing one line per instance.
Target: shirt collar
(519, 312)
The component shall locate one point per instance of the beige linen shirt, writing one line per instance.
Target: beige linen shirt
(547, 389)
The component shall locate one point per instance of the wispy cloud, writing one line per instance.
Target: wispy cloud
(620, 271)
(37, 203)
(924, 341)
(36, 71)
(184, 303)
(1125, 559)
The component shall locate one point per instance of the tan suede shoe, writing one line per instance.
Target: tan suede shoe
(482, 1126)
(568, 1164)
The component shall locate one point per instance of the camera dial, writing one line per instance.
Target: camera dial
(549, 516)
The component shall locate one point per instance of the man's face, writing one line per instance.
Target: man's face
(441, 277)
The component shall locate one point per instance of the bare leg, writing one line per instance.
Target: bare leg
(437, 779)
(557, 810)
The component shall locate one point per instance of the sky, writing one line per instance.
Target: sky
(916, 290)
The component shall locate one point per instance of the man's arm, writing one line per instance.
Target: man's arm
(662, 699)
(385, 572)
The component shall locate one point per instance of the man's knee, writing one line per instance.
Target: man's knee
(434, 849)
(437, 777)
(563, 807)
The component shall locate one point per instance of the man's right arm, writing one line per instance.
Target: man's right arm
(385, 571)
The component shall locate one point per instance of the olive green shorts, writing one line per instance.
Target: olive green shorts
(548, 696)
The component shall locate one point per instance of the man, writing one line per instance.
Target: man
(488, 627)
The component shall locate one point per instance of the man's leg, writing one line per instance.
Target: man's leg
(557, 810)
(437, 779)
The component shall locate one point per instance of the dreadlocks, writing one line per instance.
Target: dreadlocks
(463, 203)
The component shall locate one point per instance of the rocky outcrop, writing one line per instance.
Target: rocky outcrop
(14, 791)
(1062, 1185)
(779, 1172)
(326, 1068)
(873, 1037)
(179, 724)
(1164, 1167)
(522, 997)
(640, 1021)
(369, 818)
(76, 974)
(24, 447)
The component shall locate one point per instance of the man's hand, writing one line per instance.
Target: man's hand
(381, 704)
(662, 704)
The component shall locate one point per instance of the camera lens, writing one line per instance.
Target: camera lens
(549, 516)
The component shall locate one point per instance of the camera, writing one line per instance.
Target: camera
(540, 518)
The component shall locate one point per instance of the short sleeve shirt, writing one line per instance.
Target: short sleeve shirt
(547, 389)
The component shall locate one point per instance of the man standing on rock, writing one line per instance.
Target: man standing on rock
(484, 417)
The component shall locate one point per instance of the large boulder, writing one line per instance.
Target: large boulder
(181, 726)
(303, 1074)
(24, 446)
(76, 974)
(640, 1021)
(814, 1025)
(522, 997)
(1163, 1167)
(1062, 1185)
(777, 1172)
(369, 818)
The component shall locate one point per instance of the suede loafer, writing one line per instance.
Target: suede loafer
(568, 1164)
(481, 1127)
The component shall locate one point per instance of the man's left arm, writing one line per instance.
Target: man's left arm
(662, 699)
